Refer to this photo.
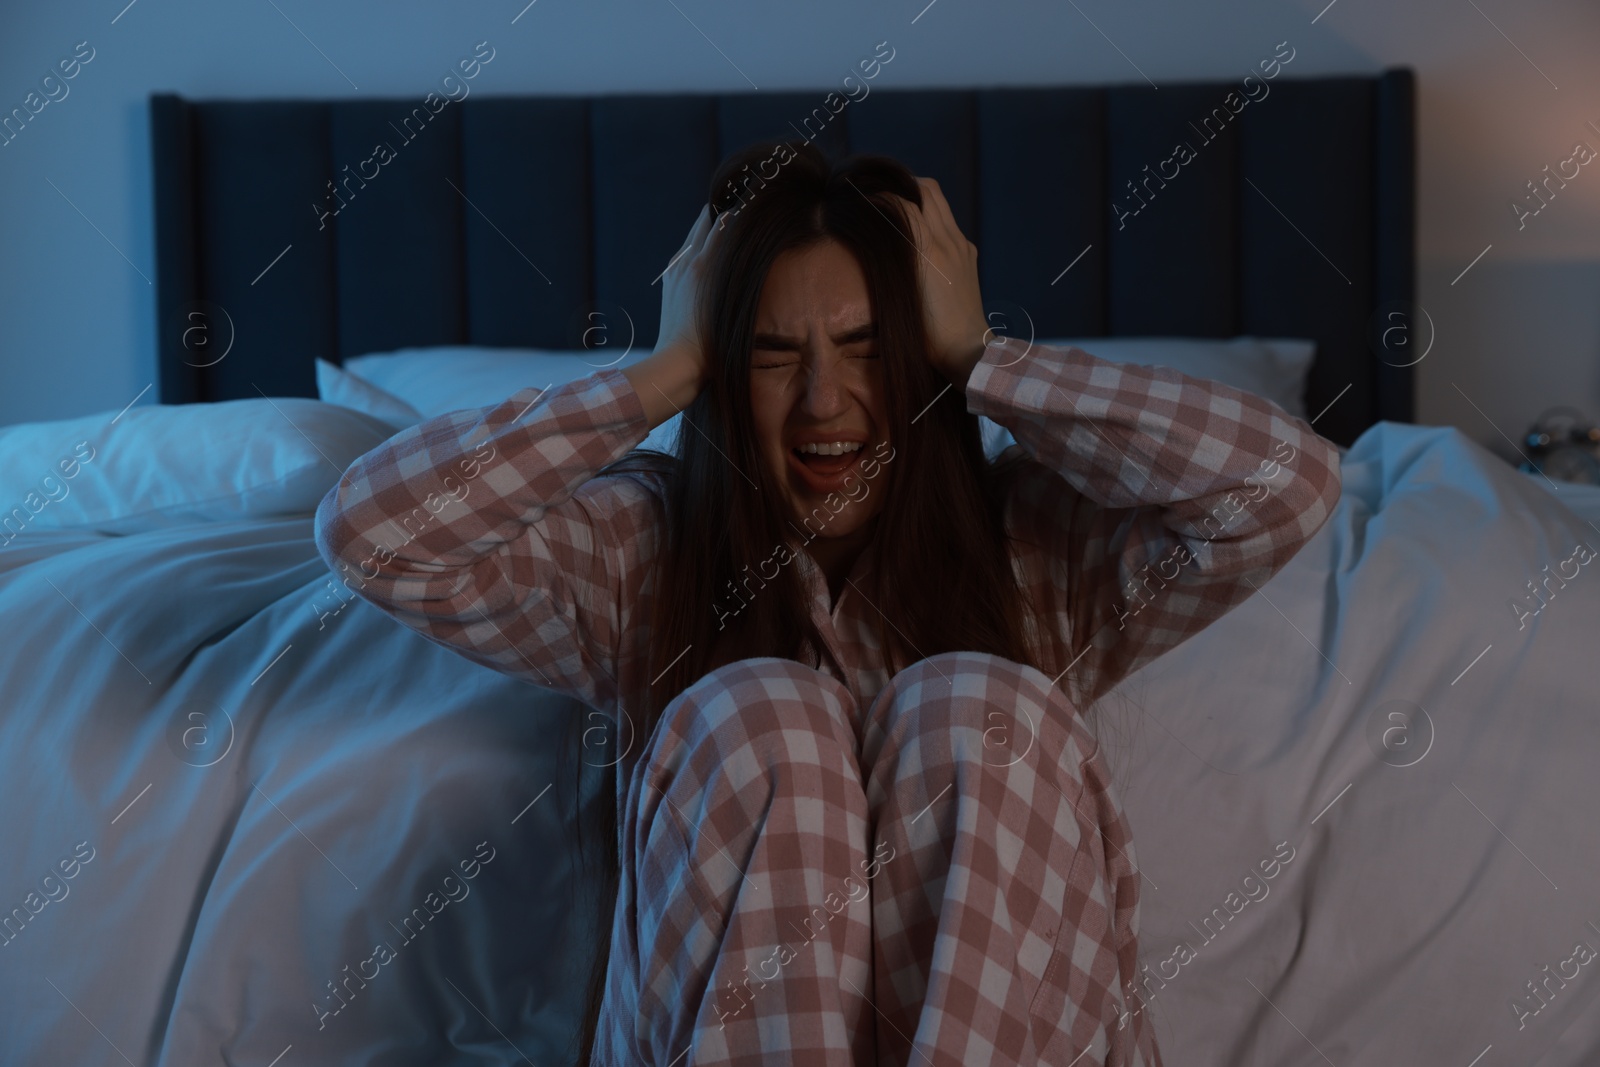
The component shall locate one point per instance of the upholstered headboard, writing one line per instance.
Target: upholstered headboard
(506, 221)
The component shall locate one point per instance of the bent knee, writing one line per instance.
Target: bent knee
(987, 706)
(776, 707)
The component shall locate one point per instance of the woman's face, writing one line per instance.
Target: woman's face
(815, 378)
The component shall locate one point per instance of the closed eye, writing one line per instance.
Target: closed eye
(863, 334)
(769, 365)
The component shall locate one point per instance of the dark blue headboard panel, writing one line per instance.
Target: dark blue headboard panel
(503, 221)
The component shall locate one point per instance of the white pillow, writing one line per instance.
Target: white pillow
(167, 465)
(448, 378)
(338, 386)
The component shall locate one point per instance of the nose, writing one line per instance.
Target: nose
(824, 395)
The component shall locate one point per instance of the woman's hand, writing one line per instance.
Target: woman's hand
(681, 284)
(669, 379)
(947, 270)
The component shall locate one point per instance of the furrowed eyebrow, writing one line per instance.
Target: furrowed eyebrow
(777, 342)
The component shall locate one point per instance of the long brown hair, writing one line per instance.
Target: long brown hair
(939, 538)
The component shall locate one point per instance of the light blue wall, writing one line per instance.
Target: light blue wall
(1519, 332)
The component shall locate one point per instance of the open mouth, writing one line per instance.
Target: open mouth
(822, 472)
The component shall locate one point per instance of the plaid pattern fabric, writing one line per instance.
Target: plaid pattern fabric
(1009, 936)
(1195, 493)
(486, 530)
(745, 813)
(946, 880)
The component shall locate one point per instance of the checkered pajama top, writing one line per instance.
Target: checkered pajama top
(486, 529)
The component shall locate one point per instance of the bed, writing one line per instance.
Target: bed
(228, 781)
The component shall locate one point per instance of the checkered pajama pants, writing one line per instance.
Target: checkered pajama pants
(946, 881)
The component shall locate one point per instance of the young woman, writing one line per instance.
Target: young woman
(861, 815)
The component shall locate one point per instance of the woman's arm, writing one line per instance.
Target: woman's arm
(1195, 492)
(485, 530)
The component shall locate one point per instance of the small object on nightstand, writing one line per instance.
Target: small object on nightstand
(1564, 444)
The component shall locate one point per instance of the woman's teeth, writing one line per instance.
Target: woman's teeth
(836, 448)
